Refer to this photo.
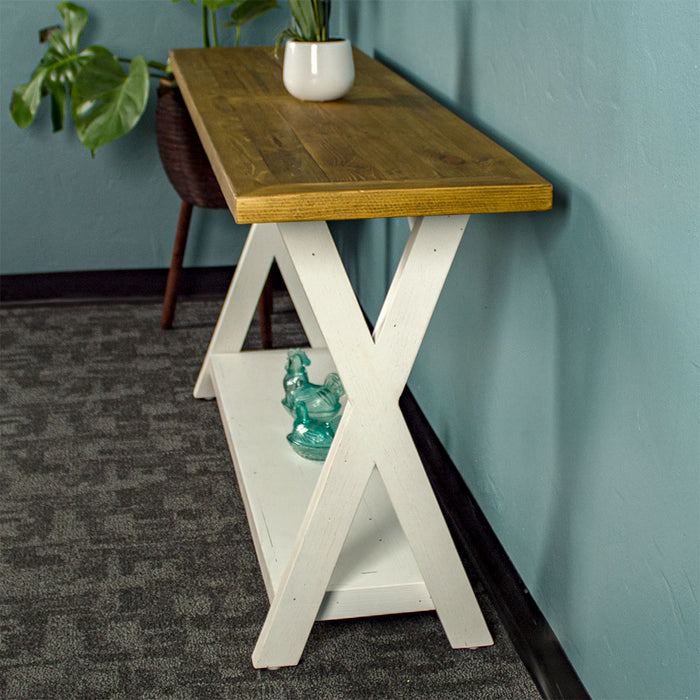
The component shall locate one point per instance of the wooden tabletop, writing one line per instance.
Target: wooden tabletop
(386, 149)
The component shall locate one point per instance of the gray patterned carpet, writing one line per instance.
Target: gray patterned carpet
(126, 565)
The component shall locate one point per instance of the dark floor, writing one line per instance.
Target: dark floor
(126, 565)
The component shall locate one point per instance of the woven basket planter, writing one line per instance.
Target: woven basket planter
(181, 152)
(187, 167)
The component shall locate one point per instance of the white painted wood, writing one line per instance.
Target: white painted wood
(299, 542)
(372, 432)
(297, 293)
(240, 303)
(404, 318)
(414, 292)
(349, 463)
(263, 245)
(431, 543)
(376, 572)
(322, 273)
(317, 548)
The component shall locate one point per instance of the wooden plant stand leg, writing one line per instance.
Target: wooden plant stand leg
(263, 245)
(175, 273)
(371, 434)
(172, 286)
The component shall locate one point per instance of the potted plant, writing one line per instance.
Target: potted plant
(316, 67)
(106, 103)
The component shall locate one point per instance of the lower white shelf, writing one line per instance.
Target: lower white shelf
(376, 573)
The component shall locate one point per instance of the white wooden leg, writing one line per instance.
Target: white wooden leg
(297, 293)
(415, 290)
(262, 246)
(322, 534)
(426, 531)
(372, 432)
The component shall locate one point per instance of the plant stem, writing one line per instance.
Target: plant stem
(205, 27)
(215, 30)
(326, 18)
(156, 65)
(317, 19)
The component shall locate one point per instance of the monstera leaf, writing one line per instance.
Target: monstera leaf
(106, 102)
(56, 71)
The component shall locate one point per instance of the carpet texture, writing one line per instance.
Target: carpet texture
(126, 564)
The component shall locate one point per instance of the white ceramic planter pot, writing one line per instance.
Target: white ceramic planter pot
(318, 71)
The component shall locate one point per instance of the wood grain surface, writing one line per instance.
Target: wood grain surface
(386, 149)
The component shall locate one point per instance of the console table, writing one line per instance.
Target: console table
(362, 533)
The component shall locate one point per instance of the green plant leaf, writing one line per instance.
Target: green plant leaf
(56, 71)
(75, 19)
(107, 103)
(288, 33)
(59, 99)
(212, 4)
(325, 18)
(217, 4)
(303, 14)
(248, 10)
(26, 99)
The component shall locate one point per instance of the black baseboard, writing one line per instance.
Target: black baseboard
(111, 285)
(116, 285)
(485, 559)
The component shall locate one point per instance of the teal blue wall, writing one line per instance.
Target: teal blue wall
(561, 368)
(62, 211)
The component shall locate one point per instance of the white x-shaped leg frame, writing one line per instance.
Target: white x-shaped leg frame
(372, 433)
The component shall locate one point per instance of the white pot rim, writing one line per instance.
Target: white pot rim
(333, 40)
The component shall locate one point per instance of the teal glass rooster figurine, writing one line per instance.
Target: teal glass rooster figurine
(316, 407)
(296, 377)
(310, 438)
(322, 400)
